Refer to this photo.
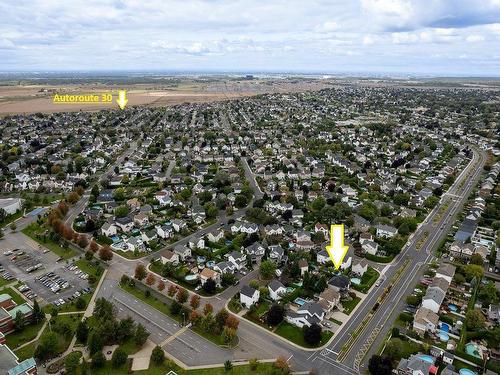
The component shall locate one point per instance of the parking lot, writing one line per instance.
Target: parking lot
(41, 274)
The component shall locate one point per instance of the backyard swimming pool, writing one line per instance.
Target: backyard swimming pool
(426, 358)
(299, 301)
(445, 327)
(473, 350)
(356, 281)
(443, 336)
(191, 277)
(466, 371)
(453, 307)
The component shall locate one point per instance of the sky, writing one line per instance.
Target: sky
(416, 37)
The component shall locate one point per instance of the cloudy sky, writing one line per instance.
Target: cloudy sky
(436, 37)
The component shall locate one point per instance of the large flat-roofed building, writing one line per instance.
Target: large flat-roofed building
(10, 365)
(10, 205)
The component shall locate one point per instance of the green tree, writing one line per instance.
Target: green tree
(47, 346)
(19, 321)
(119, 194)
(312, 334)
(267, 269)
(121, 211)
(98, 359)
(38, 314)
(82, 331)
(141, 335)
(158, 356)
(119, 358)
(71, 362)
(475, 319)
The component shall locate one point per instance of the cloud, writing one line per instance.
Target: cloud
(474, 38)
(327, 27)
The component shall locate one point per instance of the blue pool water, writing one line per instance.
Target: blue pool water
(191, 277)
(445, 327)
(201, 259)
(299, 301)
(356, 280)
(210, 264)
(443, 336)
(453, 307)
(289, 289)
(466, 371)
(426, 358)
(471, 349)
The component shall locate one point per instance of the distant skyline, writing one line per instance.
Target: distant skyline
(400, 37)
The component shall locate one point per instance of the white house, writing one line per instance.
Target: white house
(164, 231)
(183, 252)
(108, 229)
(369, 247)
(322, 257)
(125, 224)
(386, 230)
(216, 235)
(249, 296)
(360, 267)
(276, 290)
(306, 315)
(446, 271)
(425, 321)
(197, 243)
(169, 256)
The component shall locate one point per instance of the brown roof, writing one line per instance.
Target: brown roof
(208, 273)
(303, 263)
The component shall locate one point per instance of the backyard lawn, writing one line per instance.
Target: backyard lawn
(350, 305)
(295, 334)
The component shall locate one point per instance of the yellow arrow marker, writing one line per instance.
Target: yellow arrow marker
(336, 250)
(122, 98)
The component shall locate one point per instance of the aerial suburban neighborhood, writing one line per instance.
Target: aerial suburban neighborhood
(144, 237)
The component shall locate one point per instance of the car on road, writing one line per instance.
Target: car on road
(7, 253)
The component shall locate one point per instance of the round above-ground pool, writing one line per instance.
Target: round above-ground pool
(445, 327)
(356, 281)
(427, 358)
(443, 336)
(466, 371)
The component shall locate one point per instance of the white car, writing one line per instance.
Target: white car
(9, 252)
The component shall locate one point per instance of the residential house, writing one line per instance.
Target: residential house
(276, 290)
(249, 296)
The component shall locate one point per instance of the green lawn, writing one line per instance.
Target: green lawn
(294, 334)
(26, 352)
(9, 219)
(14, 339)
(367, 280)
(350, 305)
(4, 282)
(337, 322)
(262, 369)
(15, 296)
(36, 232)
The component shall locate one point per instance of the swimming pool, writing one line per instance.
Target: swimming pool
(466, 371)
(443, 336)
(210, 264)
(453, 307)
(473, 350)
(299, 301)
(445, 327)
(191, 277)
(289, 289)
(356, 280)
(426, 358)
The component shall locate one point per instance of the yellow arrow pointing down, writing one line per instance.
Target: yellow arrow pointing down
(122, 98)
(337, 250)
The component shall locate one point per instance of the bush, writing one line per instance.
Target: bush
(119, 358)
(228, 365)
